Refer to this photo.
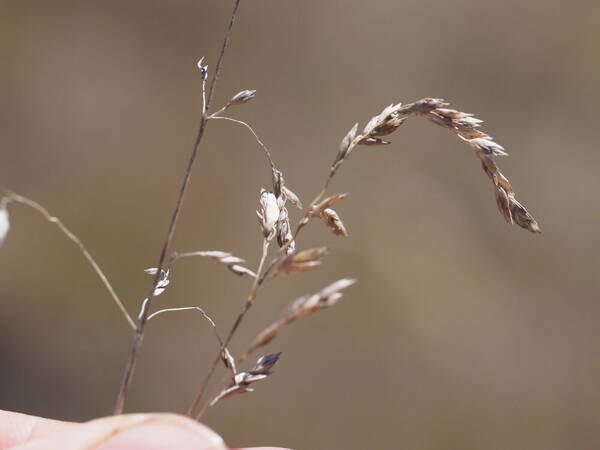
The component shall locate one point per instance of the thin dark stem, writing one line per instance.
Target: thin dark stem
(249, 302)
(139, 333)
(215, 78)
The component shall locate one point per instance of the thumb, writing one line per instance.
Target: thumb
(133, 431)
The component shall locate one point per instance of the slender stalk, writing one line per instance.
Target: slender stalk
(249, 302)
(203, 96)
(139, 332)
(264, 147)
(190, 308)
(50, 218)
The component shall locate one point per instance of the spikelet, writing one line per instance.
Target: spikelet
(240, 383)
(301, 307)
(233, 263)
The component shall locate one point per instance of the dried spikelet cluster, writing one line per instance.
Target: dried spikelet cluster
(163, 281)
(465, 126)
(329, 216)
(272, 213)
(240, 383)
(301, 307)
(302, 261)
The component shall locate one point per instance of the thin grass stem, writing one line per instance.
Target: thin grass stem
(241, 122)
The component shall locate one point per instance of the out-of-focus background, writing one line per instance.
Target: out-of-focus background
(462, 333)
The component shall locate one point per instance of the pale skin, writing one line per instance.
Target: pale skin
(157, 431)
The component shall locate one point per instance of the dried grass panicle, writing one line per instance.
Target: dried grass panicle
(240, 384)
(274, 222)
(273, 215)
(233, 263)
(301, 307)
(465, 126)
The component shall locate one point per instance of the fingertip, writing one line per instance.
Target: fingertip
(165, 431)
(134, 431)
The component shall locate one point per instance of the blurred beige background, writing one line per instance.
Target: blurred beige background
(462, 333)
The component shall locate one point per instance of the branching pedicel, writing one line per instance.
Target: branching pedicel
(274, 223)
